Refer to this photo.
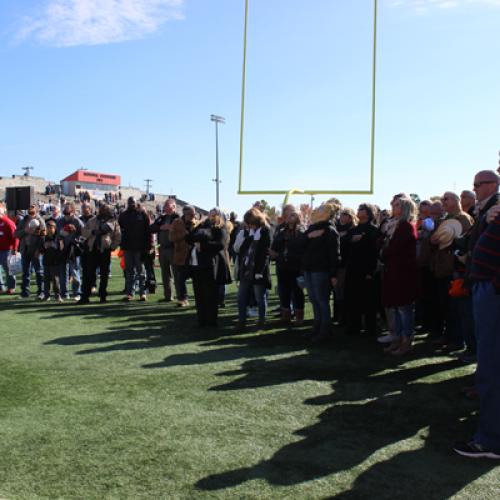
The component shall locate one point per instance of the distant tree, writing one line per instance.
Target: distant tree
(271, 212)
(305, 211)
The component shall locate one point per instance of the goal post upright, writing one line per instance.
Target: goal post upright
(287, 192)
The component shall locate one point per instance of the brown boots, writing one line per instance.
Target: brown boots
(286, 316)
(299, 316)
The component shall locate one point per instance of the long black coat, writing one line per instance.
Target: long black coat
(257, 262)
(212, 252)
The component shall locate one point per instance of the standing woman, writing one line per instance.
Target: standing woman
(180, 228)
(400, 274)
(361, 255)
(347, 220)
(254, 275)
(320, 264)
(209, 267)
(287, 250)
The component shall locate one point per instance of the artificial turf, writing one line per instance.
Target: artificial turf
(134, 401)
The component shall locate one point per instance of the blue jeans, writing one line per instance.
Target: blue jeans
(245, 291)
(134, 267)
(70, 268)
(402, 320)
(487, 320)
(4, 264)
(319, 288)
(30, 261)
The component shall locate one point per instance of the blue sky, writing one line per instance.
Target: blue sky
(128, 86)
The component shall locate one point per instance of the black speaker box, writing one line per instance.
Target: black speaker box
(19, 198)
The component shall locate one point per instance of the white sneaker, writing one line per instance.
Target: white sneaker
(253, 312)
(387, 339)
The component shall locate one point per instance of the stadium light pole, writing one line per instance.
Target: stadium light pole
(217, 119)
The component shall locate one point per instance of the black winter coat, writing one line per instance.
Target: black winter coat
(212, 253)
(361, 256)
(322, 254)
(253, 258)
(290, 247)
(134, 225)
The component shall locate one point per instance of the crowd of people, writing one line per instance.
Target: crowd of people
(434, 267)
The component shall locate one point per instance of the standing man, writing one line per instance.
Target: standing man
(69, 228)
(485, 272)
(7, 246)
(86, 215)
(468, 202)
(102, 234)
(135, 242)
(162, 226)
(28, 232)
(484, 275)
(486, 189)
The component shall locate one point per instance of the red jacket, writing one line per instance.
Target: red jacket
(400, 279)
(7, 228)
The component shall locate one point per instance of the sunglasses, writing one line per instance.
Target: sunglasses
(479, 184)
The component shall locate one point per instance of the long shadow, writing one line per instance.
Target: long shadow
(235, 348)
(318, 363)
(369, 412)
(137, 326)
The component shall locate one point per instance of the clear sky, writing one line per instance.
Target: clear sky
(128, 87)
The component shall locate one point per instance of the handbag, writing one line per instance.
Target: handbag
(14, 262)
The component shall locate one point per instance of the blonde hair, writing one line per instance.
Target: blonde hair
(255, 217)
(351, 213)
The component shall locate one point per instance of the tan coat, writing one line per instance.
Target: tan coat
(110, 241)
(178, 233)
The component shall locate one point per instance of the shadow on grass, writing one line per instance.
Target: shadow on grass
(140, 326)
(397, 425)
(388, 424)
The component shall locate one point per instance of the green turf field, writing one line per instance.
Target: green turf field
(133, 401)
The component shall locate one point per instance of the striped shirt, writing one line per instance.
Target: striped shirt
(486, 255)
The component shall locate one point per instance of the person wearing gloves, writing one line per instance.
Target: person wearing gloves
(252, 247)
(208, 264)
(102, 235)
(320, 264)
